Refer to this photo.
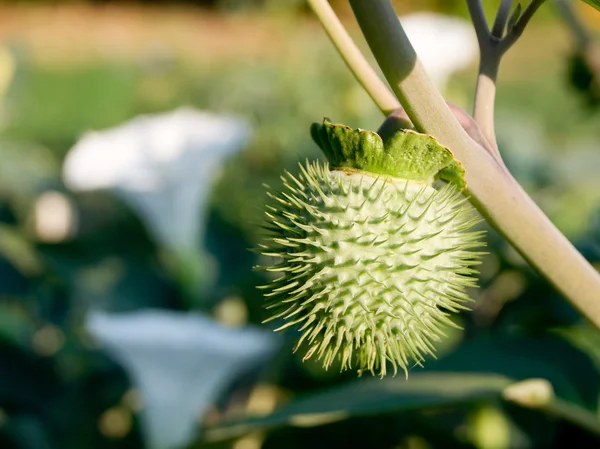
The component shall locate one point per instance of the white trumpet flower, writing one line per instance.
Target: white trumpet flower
(180, 362)
(161, 165)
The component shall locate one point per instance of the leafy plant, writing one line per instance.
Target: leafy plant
(339, 313)
(519, 370)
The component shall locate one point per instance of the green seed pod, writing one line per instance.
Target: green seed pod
(371, 257)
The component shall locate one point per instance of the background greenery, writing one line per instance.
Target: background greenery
(81, 67)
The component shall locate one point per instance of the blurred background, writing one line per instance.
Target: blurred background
(135, 139)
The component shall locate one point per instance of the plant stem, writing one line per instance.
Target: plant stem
(374, 86)
(489, 62)
(575, 414)
(478, 18)
(501, 18)
(485, 99)
(519, 27)
(492, 46)
(492, 189)
(358, 65)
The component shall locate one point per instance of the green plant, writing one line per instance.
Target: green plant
(315, 289)
(328, 280)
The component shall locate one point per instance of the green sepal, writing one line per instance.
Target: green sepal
(453, 173)
(404, 154)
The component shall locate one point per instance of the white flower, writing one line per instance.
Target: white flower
(180, 362)
(445, 44)
(162, 165)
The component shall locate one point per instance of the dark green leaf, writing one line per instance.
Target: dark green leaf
(369, 397)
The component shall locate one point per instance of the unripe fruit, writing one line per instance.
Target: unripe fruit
(370, 264)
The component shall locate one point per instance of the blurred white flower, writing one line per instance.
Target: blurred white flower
(161, 165)
(445, 44)
(180, 362)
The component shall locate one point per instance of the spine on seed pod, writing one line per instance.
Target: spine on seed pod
(372, 251)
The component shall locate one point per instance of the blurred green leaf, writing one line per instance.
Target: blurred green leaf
(26, 169)
(584, 336)
(15, 248)
(16, 327)
(35, 116)
(422, 391)
(368, 397)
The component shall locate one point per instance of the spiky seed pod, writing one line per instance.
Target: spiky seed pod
(369, 265)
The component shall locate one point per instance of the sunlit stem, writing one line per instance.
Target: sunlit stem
(492, 189)
(492, 46)
(358, 65)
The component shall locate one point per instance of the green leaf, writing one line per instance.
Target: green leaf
(19, 251)
(403, 153)
(454, 173)
(514, 17)
(369, 397)
(423, 391)
(478, 370)
(16, 327)
(593, 3)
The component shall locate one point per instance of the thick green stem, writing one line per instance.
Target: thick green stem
(492, 189)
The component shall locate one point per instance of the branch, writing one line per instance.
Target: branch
(495, 193)
(358, 65)
(492, 46)
(485, 90)
(501, 18)
(519, 27)
(478, 18)
(485, 101)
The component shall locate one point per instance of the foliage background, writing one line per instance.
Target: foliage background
(91, 66)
